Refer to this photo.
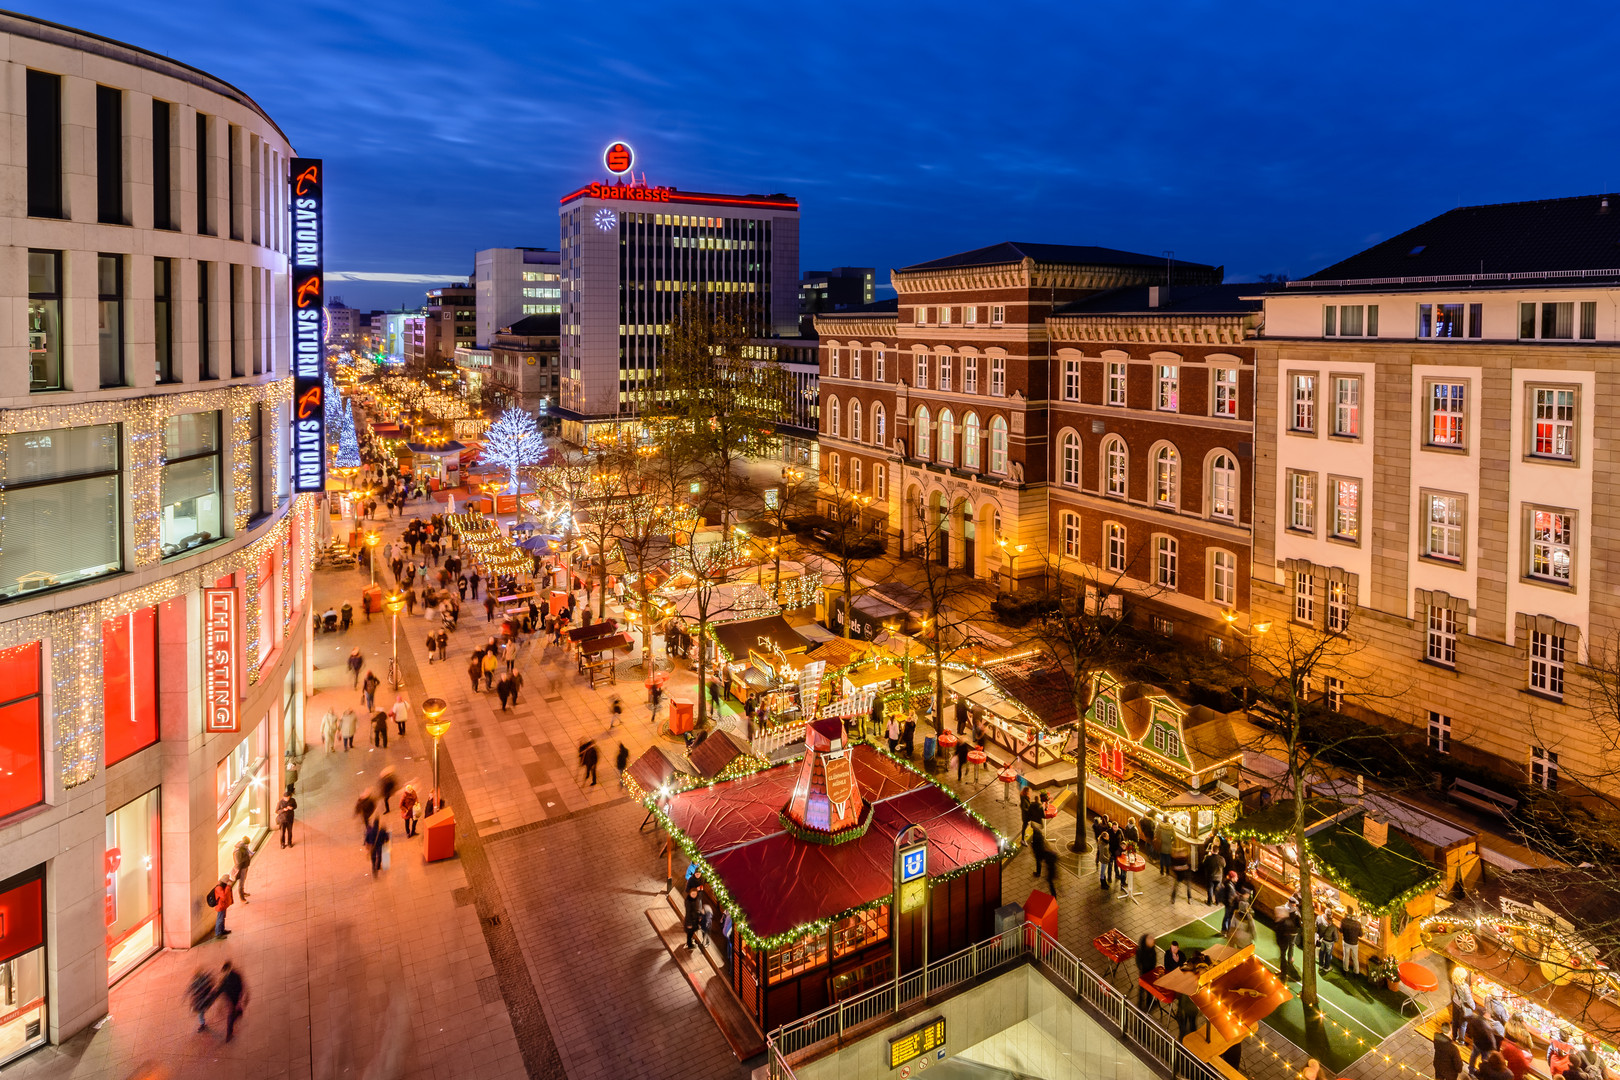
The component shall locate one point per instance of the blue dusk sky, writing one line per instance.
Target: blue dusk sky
(1266, 137)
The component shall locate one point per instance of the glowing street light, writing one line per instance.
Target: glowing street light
(395, 602)
(433, 710)
(372, 540)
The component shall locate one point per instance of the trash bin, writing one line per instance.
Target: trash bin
(1041, 910)
(680, 716)
(1009, 917)
(439, 836)
(372, 598)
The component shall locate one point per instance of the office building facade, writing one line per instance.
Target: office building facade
(511, 283)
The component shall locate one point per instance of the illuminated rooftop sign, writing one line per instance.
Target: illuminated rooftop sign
(619, 158)
(641, 192)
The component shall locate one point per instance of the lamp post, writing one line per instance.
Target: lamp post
(1010, 553)
(372, 539)
(395, 601)
(433, 709)
(1255, 630)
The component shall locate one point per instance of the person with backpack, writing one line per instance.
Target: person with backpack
(369, 689)
(285, 809)
(219, 898)
(199, 993)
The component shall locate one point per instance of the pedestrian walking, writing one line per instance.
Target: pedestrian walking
(1350, 933)
(961, 758)
(444, 643)
(242, 858)
(503, 690)
(368, 688)
(329, 731)
(475, 668)
(620, 760)
(1448, 1062)
(379, 730)
(285, 809)
(489, 608)
(387, 784)
(356, 662)
(432, 646)
(377, 842)
(509, 655)
(693, 920)
(1045, 858)
(461, 586)
(1288, 928)
(892, 733)
(472, 580)
(489, 665)
(199, 992)
(407, 809)
(618, 713)
(588, 757)
(1147, 961)
(346, 728)
(234, 990)
(402, 713)
(220, 899)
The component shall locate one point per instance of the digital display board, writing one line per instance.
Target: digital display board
(914, 1044)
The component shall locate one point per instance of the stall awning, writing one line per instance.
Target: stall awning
(660, 767)
(741, 636)
(1039, 685)
(712, 755)
(602, 644)
(1376, 876)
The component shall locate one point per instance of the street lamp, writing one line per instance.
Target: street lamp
(1010, 552)
(372, 539)
(395, 602)
(433, 709)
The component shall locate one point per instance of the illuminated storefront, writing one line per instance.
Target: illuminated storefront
(242, 782)
(132, 865)
(22, 963)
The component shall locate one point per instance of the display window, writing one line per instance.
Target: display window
(133, 868)
(22, 746)
(242, 782)
(129, 683)
(22, 964)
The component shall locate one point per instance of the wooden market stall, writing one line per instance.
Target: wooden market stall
(1150, 754)
(1360, 865)
(799, 859)
(598, 656)
(760, 659)
(1024, 703)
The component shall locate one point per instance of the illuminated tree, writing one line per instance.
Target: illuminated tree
(511, 443)
(348, 452)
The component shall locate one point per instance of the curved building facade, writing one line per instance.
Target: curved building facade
(154, 563)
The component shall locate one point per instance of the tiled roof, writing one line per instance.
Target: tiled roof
(1039, 685)
(1010, 252)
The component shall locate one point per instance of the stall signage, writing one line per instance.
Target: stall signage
(309, 339)
(917, 1042)
(840, 779)
(219, 660)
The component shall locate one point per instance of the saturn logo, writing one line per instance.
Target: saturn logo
(618, 158)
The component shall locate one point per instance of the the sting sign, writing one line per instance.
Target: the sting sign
(219, 660)
(308, 331)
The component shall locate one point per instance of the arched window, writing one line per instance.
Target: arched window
(1114, 467)
(970, 441)
(1071, 460)
(834, 411)
(1166, 570)
(1223, 578)
(855, 419)
(922, 433)
(947, 437)
(998, 444)
(1166, 474)
(880, 433)
(1223, 487)
(1071, 535)
(1114, 538)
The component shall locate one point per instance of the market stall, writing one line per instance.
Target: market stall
(1149, 754)
(1024, 703)
(759, 660)
(1359, 865)
(597, 657)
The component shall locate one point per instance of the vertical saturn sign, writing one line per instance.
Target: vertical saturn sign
(308, 336)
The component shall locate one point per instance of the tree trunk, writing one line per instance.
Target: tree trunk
(849, 587)
(1307, 902)
(1080, 845)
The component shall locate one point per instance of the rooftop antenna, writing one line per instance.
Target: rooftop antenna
(1169, 257)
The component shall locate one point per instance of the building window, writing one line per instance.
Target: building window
(1223, 578)
(1447, 415)
(44, 94)
(1168, 381)
(1166, 474)
(1338, 607)
(45, 368)
(110, 318)
(1588, 320)
(879, 364)
(64, 514)
(1439, 732)
(970, 315)
(255, 452)
(1071, 379)
(944, 316)
(1071, 460)
(1350, 320)
(998, 376)
(1223, 487)
(1166, 565)
(1116, 382)
(944, 371)
(998, 445)
(1547, 663)
(998, 314)
(192, 507)
(832, 363)
(855, 474)
(1114, 535)
(1552, 545)
(1333, 693)
(1225, 398)
(922, 371)
(1114, 466)
(1441, 321)
(1444, 523)
(1071, 535)
(22, 739)
(970, 441)
(920, 316)
(880, 431)
(877, 481)
(1304, 395)
(1347, 406)
(1442, 640)
(1554, 431)
(1346, 510)
(854, 363)
(129, 683)
(109, 155)
(837, 469)
(1558, 320)
(835, 415)
(163, 319)
(923, 432)
(855, 419)
(202, 158)
(947, 437)
(970, 374)
(206, 368)
(1544, 768)
(1162, 626)
(1304, 598)
(134, 899)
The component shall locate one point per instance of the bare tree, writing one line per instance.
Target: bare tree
(946, 621)
(781, 506)
(853, 537)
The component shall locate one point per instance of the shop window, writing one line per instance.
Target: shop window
(192, 505)
(129, 683)
(790, 960)
(242, 791)
(45, 370)
(22, 740)
(22, 964)
(133, 868)
(855, 932)
(64, 517)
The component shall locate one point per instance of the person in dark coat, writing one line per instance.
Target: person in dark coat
(961, 711)
(379, 729)
(1173, 957)
(1482, 1036)
(285, 811)
(1448, 1062)
(588, 756)
(1214, 872)
(234, 991)
(1288, 928)
(1326, 935)
(693, 921)
(199, 993)
(961, 757)
(1147, 958)
(620, 761)
(1045, 859)
(1495, 1067)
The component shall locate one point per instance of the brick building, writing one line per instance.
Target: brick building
(1435, 476)
(1152, 421)
(936, 405)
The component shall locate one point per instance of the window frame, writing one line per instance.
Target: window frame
(1305, 598)
(1528, 573)
(1118, 383)
(970, 373)
(998, 314)
(1533, 422)
(1346, 414)
(121, 492)
(1336, 486)
(835, 416)
(1069, 460)
(1439, 732)
(1223, 396)
(1223, 593)
(1302, 418)
(943, 373)
(945, 437)
(1071, 378)
(1299, 481)
(998, 425)
(51, 300)
(1122, 474)
(971, 428)
(1427, 498)
(920, 370)
(922, 443)
(1232, 483)
(1166, 561)
(1336, 607)
(1440, 638)
(1166, 477)
(42, 748)
(1547, 655)
(879, 365)
(226, 515)
(1070, 533)
(879, 424)
(1114, 551)
(1166, 377)
(998, 376)
(1457, 417)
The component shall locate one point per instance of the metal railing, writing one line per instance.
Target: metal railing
(1436, 279)
(849, 1018)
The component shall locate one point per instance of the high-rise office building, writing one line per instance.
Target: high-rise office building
(843, 288)
(512, 283)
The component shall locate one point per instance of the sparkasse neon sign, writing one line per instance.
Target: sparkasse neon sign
(640, 192)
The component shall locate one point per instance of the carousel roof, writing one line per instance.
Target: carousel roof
(780, 882)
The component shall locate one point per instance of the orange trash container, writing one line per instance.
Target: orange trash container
(1041, 910)
(439, 836)
(372, 599)
(680, 716)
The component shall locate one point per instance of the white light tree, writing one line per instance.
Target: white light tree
(348, 453)
(512, 442)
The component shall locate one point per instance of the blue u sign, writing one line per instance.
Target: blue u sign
(913, 863)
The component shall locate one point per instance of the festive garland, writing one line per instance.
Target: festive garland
(1322, 870)
(819, 836)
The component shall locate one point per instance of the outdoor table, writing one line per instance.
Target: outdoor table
(1420, 979)
(580, 634)
(977, 757)
(1008, 777)
(1131, 863)
(1163, 998)
(948, 741)
(1051, 810)
(1115, 946)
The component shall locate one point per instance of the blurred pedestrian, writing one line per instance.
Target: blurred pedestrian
(402, 713)
(432, 646)
(387, 784)
(379, 730)
(199, 992)
(489, 664)
(368, 690)
(356, 661)
(407, 809)
(242, 858)
(489, 608)
(475, 668)
(234, 991)
(377, 841)
(346, 729)
(618, 713)
(329, 731)
(620, 760)
(285, 809)
(588, 757)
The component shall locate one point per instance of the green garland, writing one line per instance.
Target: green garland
(1235, 831)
